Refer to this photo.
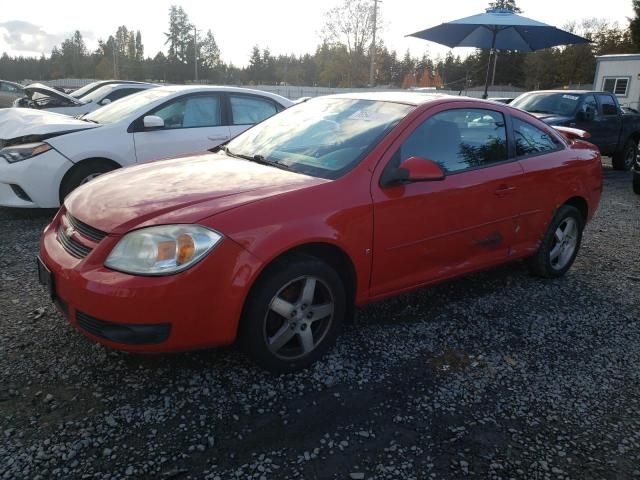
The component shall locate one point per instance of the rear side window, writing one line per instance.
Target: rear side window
(459, 139)
(531, 140)
(247, 110)
(609, 106)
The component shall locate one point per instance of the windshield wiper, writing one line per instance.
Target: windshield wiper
(257, 159)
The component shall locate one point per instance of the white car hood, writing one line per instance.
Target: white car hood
(27, 122)
(49, 92)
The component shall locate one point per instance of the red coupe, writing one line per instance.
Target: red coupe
(335, 202)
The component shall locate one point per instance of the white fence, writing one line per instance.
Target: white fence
(295, 92)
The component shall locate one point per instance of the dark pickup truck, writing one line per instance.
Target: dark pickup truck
(614, 130)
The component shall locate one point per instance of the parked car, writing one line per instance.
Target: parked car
(9, 91)
(506, 100)
(82, 91)
(41, 97)
(47, 155)
(615, 131)
(335, 202)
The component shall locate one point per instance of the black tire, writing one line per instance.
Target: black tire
(261, 323)
(636, 182)
(624, 159)
(542, 264)
(80, 172)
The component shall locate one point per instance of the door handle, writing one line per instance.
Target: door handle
(219, 138)
(504, 190)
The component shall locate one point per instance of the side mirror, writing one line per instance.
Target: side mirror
(105, 101)
(413, 169)
(153, 121)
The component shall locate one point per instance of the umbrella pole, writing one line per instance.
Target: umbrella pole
(491, 54)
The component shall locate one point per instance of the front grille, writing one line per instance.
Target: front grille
(127, 333)
(84, 229)
(72, 246)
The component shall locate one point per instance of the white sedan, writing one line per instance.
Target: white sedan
(42, 97)
(44, 156)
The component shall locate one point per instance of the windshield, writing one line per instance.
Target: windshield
(324, 137)
(82, 91)
(116, 111)
(562, 104)
(97, 94)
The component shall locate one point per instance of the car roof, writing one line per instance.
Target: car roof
(221, 88)
(568, 92)
(408, 97)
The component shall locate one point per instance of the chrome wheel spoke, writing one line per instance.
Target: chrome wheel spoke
(318, 312)
(282, 307)
(559, 234)
(308, 291)
(306, 339)
(281, 338)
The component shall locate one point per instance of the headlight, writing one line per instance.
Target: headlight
(162, 250)
(18, 153)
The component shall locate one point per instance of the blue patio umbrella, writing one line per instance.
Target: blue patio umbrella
(498, 29)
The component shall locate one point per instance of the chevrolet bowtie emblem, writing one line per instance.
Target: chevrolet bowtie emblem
(69, 231)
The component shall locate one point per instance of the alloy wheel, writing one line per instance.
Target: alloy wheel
(565, 243)
(298, 318)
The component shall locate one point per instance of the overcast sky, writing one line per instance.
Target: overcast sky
(284, 26)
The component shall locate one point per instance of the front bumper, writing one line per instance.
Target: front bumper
(197, 308)
(38, 180)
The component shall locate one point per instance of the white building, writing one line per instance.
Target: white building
(620, 74)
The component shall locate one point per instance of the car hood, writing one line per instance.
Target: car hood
(551, 119)
(21, 125)
(49, 92)
(185, 190)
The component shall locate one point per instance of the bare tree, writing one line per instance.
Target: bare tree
(350, 24)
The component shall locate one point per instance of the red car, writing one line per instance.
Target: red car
(332, 203)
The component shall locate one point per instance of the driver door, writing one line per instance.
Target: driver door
(192, 124)
(427, 231)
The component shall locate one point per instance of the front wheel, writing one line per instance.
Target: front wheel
(624, 159)
(636, 182)
(560, 244)
(293, 314)
(83, 173)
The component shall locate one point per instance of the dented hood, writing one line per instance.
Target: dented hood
(37, 125)
(49, 92)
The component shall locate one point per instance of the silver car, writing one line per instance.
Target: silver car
(9, 91)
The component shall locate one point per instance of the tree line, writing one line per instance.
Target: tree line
(340, 60)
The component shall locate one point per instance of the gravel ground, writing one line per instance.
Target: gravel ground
(496, 375)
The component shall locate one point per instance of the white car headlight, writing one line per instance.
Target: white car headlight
(17, 153)
(162, 250)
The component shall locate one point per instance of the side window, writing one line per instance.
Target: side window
(531, 140)
(7, 87)
(459, 139)
(248, 110)
(589, 107)
(609, 106)
(189, 112)
(121, 93)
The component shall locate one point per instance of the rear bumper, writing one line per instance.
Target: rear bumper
(197, 308)
(37, 180)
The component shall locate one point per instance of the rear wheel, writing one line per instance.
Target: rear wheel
(624, 159)
(293, 314)
(83, 173)
(560, 244)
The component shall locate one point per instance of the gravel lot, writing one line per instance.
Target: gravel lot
(497, 375)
